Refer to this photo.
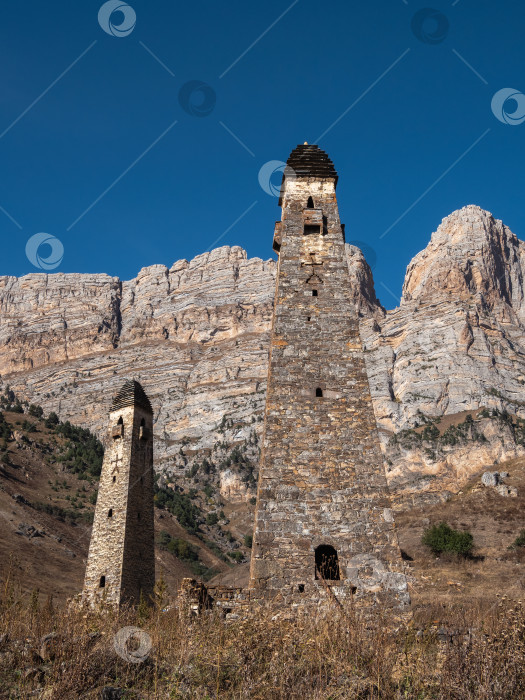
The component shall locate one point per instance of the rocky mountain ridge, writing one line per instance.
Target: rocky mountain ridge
(196, 336)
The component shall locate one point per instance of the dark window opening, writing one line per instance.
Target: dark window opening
(314, 292)
(102, 583)
(308, 318)
(301, 588)
(319, 391)
(118, 429)
(114, 479)
(143, 431)
(141, 479)
(310, 204)
(326, 563)
(110, 513)
(311, 229)
(138, 516)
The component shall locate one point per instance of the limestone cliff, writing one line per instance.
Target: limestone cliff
(457, 341)
(196, 337)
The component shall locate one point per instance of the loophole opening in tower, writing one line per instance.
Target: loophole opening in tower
(326, 563)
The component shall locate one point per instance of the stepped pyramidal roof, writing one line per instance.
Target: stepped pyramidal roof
(131, 394)
(310, 161)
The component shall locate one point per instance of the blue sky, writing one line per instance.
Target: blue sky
(91, 153)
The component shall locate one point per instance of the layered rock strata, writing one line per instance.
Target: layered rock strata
(197, 337)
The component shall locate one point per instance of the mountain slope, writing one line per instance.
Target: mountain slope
(196, 336)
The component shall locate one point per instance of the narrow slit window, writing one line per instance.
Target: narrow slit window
(319, 392)
(102, 582)
(310, 203)
(314, 292)
(114, 479)
(110, 513)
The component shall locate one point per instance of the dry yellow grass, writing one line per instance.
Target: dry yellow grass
(332, 655)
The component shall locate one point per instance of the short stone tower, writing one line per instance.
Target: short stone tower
(324, 527)
(121, 559)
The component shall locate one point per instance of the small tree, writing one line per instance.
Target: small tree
(36, 411)
(442, 538)
(212, 519)
(52, 420)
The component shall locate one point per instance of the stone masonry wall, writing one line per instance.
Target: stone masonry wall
(122, 544)
(322, 479)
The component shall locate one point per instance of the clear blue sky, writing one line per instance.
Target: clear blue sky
(417, 109)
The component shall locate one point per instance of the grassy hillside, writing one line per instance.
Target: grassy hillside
(48, 486)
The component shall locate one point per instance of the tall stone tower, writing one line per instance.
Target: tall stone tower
(121, 559)
(323, 525)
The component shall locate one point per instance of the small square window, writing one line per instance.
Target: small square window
(312, 229)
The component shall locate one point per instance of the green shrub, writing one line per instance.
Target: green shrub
(519, 541)
(51, 420)
(248, 541)
(36, 411)
(84, 451)
(208, 490)
(442, 538)
(236, 556)
(180, 505)
(212, 519)
(177, 546)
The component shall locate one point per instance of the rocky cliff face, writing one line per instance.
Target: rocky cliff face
(196, 337)
(457, 340)
(455, 344)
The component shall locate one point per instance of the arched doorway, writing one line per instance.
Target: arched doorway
(326, 563)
